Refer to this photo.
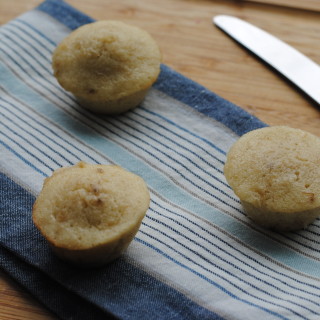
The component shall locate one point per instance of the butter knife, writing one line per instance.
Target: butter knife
(291, 63)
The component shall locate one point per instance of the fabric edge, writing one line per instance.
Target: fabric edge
(65, 13)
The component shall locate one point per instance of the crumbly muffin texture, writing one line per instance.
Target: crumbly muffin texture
(90, 213)
(275, 171)
(108, 65)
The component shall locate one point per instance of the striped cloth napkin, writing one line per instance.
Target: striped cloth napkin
(196, 256)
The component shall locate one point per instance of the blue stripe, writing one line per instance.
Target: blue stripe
(228, 244)
(37, 31)
(158, 182)
(41, 141)
(16, 24)
(117, 283)
(174, 149)
(198, 263)
(201, 275)
(306, 231)
(27, 151)
(38, 76)
(47, 67)
(54, 133)
(18, 155)
(42, 134)
(180, 136)
(29, 53)
(209, 143)
(213, 254)
(35, 79)
(301, 243)
(187, 168)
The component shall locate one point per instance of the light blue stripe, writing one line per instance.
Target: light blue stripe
(158, 181)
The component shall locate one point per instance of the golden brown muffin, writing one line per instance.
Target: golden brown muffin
(275, 171)
(108, 65)
(90, 213)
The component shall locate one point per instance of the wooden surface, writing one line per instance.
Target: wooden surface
(194, 47)
(312, 5)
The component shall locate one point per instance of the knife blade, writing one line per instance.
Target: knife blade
(296, 67)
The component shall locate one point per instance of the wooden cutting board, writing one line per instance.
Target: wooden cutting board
(194, 47)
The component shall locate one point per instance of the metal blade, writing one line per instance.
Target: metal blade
(295, 66)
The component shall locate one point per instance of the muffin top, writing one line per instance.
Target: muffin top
(276, 168)
(106, 60)
(87, 205)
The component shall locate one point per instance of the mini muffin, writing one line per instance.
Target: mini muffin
(108, 65)
(90, 213)
(275, 171)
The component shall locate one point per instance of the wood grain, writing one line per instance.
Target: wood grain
(17, 304)
(194, 47)
(313, 5)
